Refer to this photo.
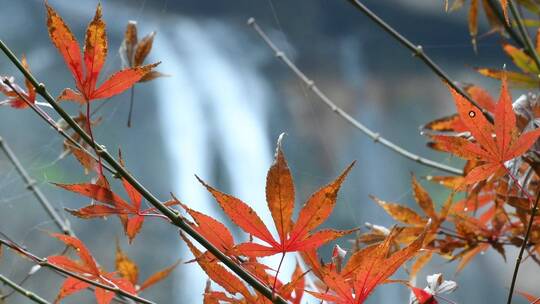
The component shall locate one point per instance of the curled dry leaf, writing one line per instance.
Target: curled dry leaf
(17, 97)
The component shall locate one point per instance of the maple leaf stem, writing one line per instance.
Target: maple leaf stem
(277, 272)
(156, 215)
(518, 185)
(32, 187)
(523, 30)
(525, 240)
(16, 287)
(131, 100)
(44, 263)
(419, 53)
(175, 218)
(376, 137)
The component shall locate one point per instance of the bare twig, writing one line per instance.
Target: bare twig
(44, 263)
(419, 52)
(173, 216)
(52, 123)
(377, 138)
(31, 186)
(30, 295)
(525, 240)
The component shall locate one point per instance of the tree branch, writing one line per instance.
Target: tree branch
(418, 52)
(30, 295)
(44, 263)
(523, 245)
(31, 186)
(175, 218)
(377, 138)
(53, 124)
(509, 29)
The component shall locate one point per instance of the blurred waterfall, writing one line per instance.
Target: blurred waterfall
(213, 114)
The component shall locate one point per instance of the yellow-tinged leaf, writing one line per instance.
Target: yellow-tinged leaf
(451, 182)
(520, 59)
(125, 266)
(95, 50)
(423, 199)
(400, 213)
(158, 276)
(516, 79)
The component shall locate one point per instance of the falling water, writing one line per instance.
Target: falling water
(213, 109)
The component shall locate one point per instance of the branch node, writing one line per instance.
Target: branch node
(376, 137)
(41, 88)
(279, 54)
(101, 149)
(310, 84)
(31, 183)
(418, 51)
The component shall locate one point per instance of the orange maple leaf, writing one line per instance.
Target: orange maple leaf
(493, 151)
(365, 270)
(280, 198)
(131, 214)
(86, 266)
(95, 53)
(128, 270)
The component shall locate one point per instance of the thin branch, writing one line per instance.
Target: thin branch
(31, 186)
(30, 295)
(523, 30)
(44, 263)
(507, 27)
(52, 123)
(131, 103)
(173, 216)
(418, 51)
(377, 138)
(523, 246)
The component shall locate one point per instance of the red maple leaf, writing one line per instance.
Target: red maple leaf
(131, 214)
(495, 144)
(95, 53)
(280, 197)
(86, 266)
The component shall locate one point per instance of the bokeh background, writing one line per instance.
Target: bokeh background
(220, 112)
